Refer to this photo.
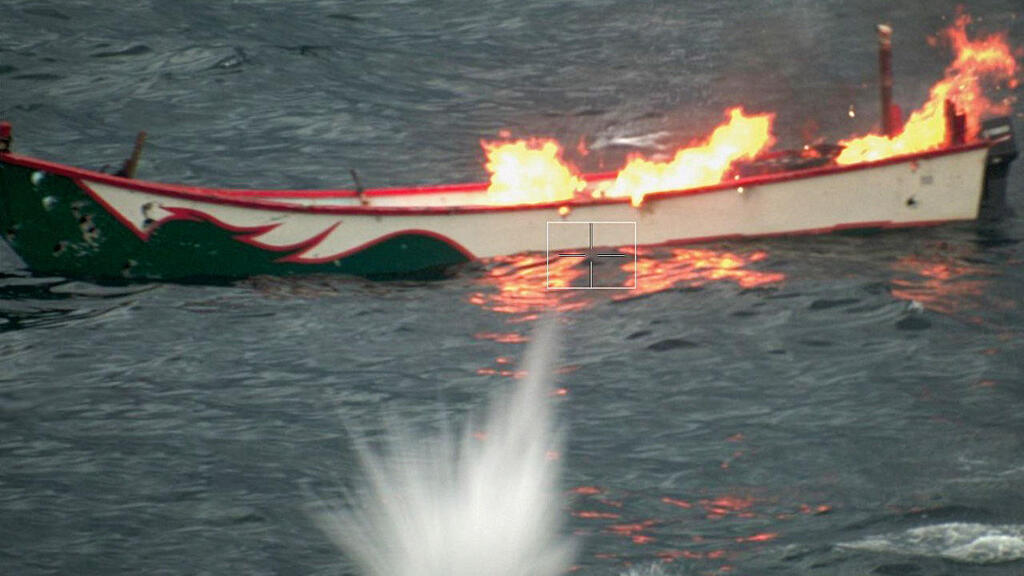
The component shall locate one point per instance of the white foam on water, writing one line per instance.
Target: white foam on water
(650, 570)
(468, 505)
(960, 541)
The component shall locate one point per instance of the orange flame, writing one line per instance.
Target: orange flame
(700, 164)
(528, 172)
(988, 59)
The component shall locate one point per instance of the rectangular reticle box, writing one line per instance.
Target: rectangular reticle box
(590, 256)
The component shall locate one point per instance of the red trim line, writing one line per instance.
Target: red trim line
(161, 187)
(176, 213)
(297, 257)
(302, 245)
(263, 199)
(763, 179)
(181, 213)
(470, 187)
(248, 234)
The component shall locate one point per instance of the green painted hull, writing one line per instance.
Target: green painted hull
(56, 227)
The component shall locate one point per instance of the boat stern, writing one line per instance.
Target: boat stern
(1000, 155)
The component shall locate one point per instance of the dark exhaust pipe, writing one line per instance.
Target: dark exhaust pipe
(1002, 152)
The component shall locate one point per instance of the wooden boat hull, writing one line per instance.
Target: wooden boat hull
(67, 221)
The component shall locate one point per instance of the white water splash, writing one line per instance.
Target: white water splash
(963, 542)
(443, 506)
(651, 570)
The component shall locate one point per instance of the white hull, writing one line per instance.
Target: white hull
(920, 190)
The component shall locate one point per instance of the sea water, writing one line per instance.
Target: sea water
(757, 405)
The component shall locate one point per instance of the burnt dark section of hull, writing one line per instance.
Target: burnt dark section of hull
(1000, 156)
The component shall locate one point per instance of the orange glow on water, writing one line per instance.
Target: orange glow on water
(632, 528)
(695, 267)
(976, 63)
(702, 163)
(944, 283)
(720, 528)
(516, 285)
(728, 505)
(503, 337)
(714, 554)
(760, 537)
(591, 514)
(514, 374)
(529, 172)
(612, 503)
(816, 510)
(673, 555)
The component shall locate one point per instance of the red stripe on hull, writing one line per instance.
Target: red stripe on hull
(412, 231)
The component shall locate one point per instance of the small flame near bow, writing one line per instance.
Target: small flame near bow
(530, 171)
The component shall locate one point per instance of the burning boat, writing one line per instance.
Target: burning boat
(944, 163)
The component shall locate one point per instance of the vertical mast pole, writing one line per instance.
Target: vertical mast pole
(885, 70)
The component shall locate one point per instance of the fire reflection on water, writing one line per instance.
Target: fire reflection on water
(708, 533)
(719, 528)
(658, 270)
(946, 283)
(518, 285)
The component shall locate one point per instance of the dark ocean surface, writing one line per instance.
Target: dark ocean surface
(840, 405)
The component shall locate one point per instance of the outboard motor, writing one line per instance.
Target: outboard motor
(1000, 155)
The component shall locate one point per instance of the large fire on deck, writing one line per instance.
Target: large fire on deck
(534, 171)
(703, 163)
(976, 62)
